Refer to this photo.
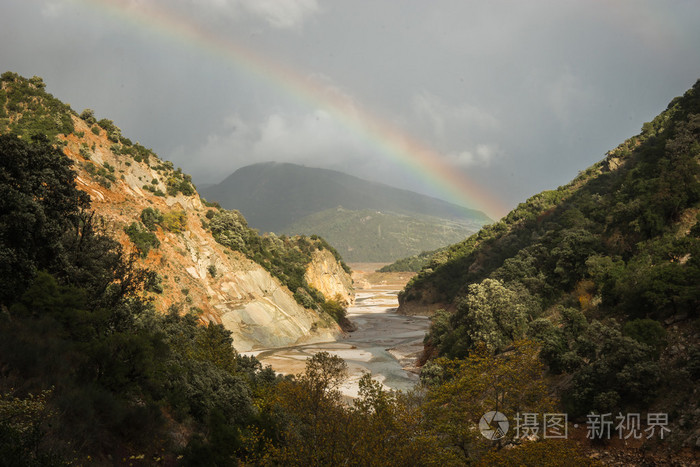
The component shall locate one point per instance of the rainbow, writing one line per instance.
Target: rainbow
(415, 156)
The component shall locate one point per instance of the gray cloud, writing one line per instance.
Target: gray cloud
(519, 95)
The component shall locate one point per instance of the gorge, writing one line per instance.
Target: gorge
(385, 343)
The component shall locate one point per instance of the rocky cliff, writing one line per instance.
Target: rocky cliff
(327, 275)
(198, 274)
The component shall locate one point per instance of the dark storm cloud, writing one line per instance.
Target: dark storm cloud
(520, 95)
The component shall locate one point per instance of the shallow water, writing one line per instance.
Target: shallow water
(381, 337)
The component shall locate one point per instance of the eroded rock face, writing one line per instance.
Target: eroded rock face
(266, 315)
(198, 274)
(327, 275)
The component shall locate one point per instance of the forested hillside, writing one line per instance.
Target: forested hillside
(604, 273)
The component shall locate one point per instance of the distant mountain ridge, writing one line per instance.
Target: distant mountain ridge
(255, 191)
(365, 221)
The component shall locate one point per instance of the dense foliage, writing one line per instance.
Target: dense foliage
(591, 270)
(115, 376)
(432, 426)
(286, 258)
(38, 202)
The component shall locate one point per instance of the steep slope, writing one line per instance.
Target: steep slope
(288, 198)
(604, 273)
(327, 275)
(131, 189)
(643, 189)
(413, 263)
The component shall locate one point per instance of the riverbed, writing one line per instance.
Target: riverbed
(385, 343)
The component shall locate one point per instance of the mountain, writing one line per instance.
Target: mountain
(293, 199)
(604, 273)
(207, 260)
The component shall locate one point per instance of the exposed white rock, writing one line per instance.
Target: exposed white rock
(325, 274)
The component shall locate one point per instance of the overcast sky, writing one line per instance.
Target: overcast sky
(519, 95)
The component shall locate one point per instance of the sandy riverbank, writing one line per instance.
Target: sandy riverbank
(385, 343)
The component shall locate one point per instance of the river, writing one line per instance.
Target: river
(385, 343)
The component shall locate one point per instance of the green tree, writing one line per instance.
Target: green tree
(38, 203)
(621, 374)
(509, 383)
(491, 313)
(142, 239)
(318, 417)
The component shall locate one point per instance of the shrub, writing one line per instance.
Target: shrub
(151, 218)
(174, 221)
(89, 116)
(107, 125)
(335, 309)
(230, 229)
(154, 190)
(156, 284)
(303, 298)
(647, 331)
(142, 239)
(210, 204)
(179, 183)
